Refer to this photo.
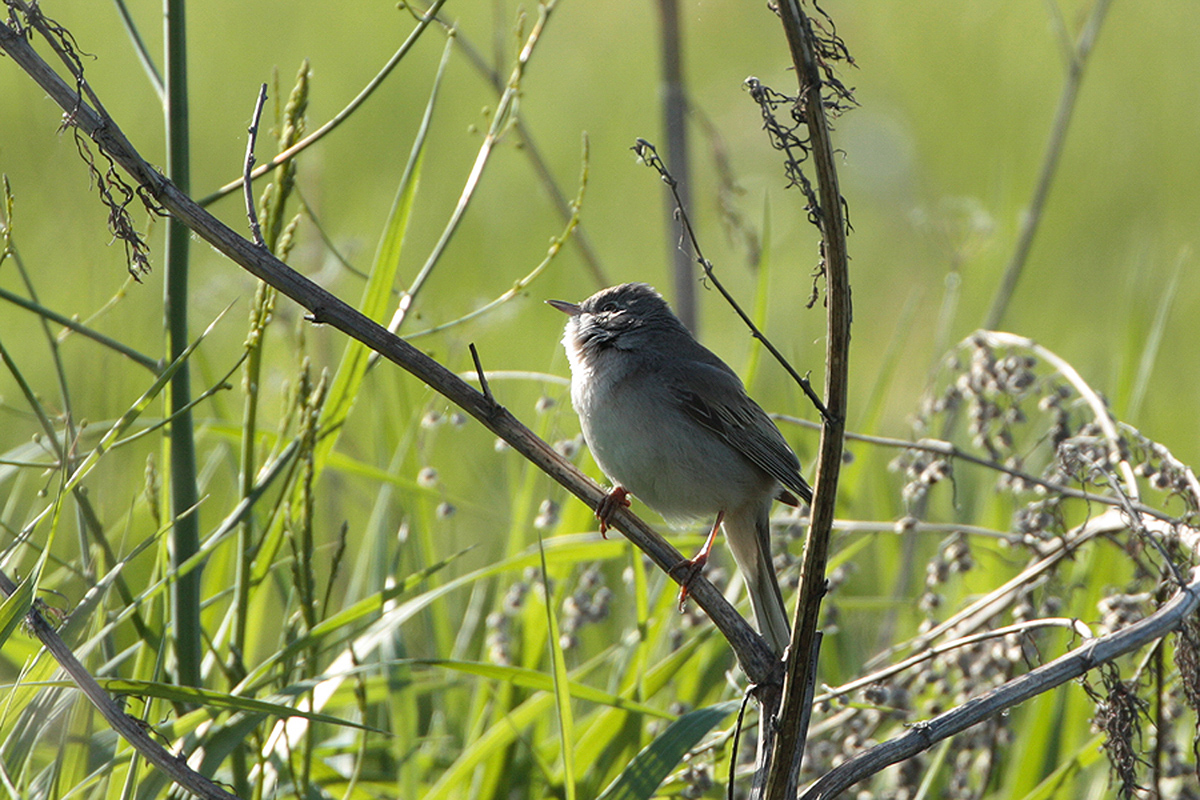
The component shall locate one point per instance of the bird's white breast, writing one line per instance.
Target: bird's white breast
(644, 442)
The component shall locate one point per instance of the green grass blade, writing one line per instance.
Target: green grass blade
(377, 294)
(562, 696)
(135, 411)
(73, 324)
(540, 681)
(456, 780)
(364, 609)
(610, 733)
(1058, 783)
(641, 779)
(509, 728)
(14, 608)
(207, 698)
(1153, 342)
(139, 47)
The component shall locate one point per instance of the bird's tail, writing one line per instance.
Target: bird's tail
(749, 538)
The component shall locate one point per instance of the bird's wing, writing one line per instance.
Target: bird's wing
(719, 403)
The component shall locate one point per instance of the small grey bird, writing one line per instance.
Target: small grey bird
(670, 422)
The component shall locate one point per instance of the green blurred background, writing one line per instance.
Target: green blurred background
(940, 161)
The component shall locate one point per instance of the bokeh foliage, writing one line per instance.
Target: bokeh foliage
(416, 506)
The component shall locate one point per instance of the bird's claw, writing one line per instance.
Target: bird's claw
(608, 505)
(693, 568)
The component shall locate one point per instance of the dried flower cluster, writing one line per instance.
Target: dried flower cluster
(1060, 460)
(589, 603)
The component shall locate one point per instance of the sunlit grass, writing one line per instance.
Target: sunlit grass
(394, 606)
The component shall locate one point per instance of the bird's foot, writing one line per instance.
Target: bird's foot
(695, 566)
(691, 568)
(608, 505)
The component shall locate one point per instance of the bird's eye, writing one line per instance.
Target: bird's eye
(608, 306)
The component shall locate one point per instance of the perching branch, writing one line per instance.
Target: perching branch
(324, 308)
(795, 704)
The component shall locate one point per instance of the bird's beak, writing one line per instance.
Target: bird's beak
(570, 309)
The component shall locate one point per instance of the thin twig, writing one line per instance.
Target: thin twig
(984, 608)
(522, 283)
(483, 384)
(953, 644)
(139, 46)
(255, 228)
(518, 375)
(114, 193)
(648, 154)
(954, 452)
(133, 355)
(735, 746)
(63, 44)
(1135, 524)
(330, 245)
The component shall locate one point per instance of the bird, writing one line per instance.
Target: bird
(669, 422)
